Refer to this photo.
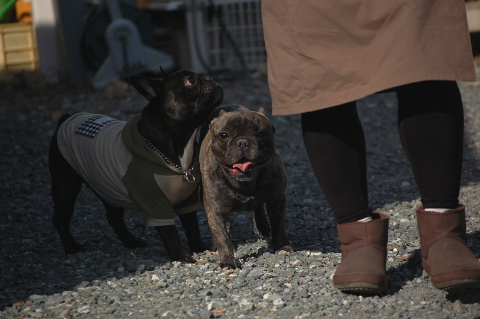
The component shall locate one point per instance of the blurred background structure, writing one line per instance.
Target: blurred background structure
(96, 41)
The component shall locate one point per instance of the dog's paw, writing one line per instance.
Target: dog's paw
(184, 258)
(71, 251)
(133, 242)
(287, 249)
(73, 247)
(189, 260)
(227, 266)
(197, 247)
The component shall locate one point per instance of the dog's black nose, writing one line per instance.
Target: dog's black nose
(242, 143)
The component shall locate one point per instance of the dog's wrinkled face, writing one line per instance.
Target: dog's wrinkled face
(242, 142)
(185, 96)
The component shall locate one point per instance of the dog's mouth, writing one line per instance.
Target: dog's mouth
(242, 167)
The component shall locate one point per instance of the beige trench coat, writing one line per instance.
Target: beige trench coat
(323, 53)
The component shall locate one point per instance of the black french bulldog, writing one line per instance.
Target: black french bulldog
(241, 171)
(149, 164)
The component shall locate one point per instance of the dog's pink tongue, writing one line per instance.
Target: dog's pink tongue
(243, 166)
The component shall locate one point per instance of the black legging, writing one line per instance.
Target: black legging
(430, 124)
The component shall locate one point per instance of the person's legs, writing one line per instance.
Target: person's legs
(430, 123)
(335, 144)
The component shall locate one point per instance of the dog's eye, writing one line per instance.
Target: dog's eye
(261, 134)
(190, 81)
(223, 136)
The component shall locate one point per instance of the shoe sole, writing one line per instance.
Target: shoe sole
(458, 284)
(361, 288)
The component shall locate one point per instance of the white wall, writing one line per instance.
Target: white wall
(46, 23)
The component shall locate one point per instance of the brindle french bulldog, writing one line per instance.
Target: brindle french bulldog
(241, 171)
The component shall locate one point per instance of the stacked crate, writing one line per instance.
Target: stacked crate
(235, 35)
(18, 49)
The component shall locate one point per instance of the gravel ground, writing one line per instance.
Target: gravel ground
(37, 280)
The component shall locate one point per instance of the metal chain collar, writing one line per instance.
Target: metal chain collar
(187, 175)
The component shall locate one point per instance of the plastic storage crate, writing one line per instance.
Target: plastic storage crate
(18, 49)
(234, 35)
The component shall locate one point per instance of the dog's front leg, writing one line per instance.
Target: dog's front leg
(219, 225)
(276, 214)
(190, 224)
(171, 240)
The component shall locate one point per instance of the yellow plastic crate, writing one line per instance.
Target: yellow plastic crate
(18, 48)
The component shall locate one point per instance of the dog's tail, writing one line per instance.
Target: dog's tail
(62, 119)
(54, 151)
(260, 222)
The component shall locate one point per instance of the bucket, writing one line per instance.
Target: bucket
(23, 10)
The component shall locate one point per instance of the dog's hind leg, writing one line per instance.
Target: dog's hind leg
(64, 197)
(260, 222)
(66, 185)
(115, 219)
(192, 230)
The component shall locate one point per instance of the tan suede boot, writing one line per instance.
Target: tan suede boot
(445, 255)
(364, 256)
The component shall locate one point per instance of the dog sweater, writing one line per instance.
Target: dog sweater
(117, 163)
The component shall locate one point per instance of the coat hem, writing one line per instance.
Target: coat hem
(323, 103)
(160, 222)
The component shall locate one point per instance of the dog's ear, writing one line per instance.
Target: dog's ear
(211, 122)
(261, 110)
(164, 73)
(215, 118)
(147, 87)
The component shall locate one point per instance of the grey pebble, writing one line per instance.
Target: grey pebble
(303, 292)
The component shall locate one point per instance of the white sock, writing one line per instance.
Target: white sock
(365, 220)
(438, 210)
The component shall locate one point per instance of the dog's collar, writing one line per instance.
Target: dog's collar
(187, 175)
